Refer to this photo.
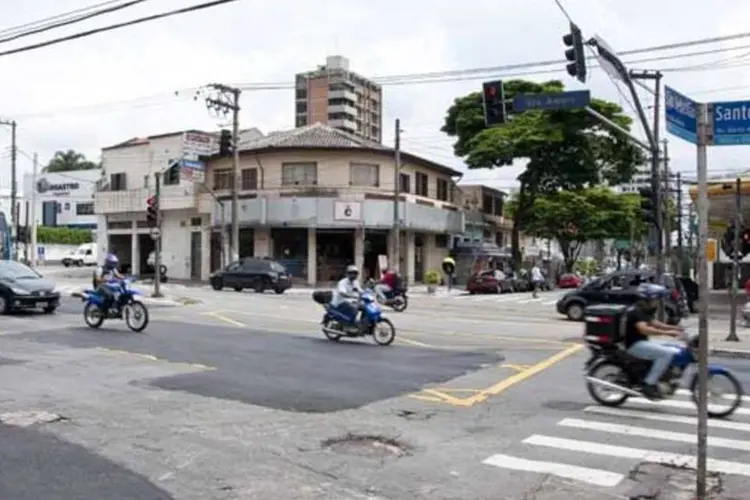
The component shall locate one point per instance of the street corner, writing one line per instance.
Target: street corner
(515, 368)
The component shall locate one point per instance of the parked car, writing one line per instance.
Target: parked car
(22, 288)
(619, 288)
(486, 282)
(691, 292)
(84, 255)
(257, 274)
(569, 280)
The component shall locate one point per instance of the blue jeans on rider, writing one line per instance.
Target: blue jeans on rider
(108, 292)
(660, 354)
(349, 309)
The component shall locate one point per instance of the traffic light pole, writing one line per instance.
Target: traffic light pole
(157, 240)
(736, 256)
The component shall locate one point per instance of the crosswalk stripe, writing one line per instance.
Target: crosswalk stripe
(671, 403)
(630, 430)
(665, 417)
(596, 477)
(685, 392)
(651, 456)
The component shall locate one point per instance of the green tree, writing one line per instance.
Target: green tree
(573, 218)
(65, 161)
(564, 149)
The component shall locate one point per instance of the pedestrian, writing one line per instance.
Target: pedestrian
(537, 279)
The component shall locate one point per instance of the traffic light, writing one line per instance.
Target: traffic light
(493, 99)
(225, 143)
(744, 243)
(648, 206)
(575, 53)
(152, 211)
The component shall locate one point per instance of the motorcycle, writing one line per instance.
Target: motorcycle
(336, 324)
(626, 374)
(126, 305)
(395, 299)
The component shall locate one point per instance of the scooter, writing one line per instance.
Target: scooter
(336, 324)
(127, 305)
(395, 299)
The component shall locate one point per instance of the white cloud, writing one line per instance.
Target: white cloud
(270, 42)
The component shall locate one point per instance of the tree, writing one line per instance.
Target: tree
(574, 218)
(65, 161)
(564, 149)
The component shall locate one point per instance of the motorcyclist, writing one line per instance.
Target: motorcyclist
(640, 326)
(387, 283)
(103, 275)
(347, 292)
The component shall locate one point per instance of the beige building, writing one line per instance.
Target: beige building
(336, 96)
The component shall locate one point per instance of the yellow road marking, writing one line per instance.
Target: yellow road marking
(225, 319)
(446, 398)
(431, 399)
(518, 368)
(451, 389)
(151, 357)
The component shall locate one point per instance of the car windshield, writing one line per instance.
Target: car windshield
(277, 267)
(17, 271)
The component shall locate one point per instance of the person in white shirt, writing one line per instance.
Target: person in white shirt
(537, 278)
(346, 295)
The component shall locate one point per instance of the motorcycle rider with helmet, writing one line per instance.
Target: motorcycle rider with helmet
(641, 325)
(346, 294)
(102, 275)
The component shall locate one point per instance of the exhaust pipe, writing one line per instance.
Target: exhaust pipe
(610, 385)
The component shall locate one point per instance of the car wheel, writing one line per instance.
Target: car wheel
(259, 286)
(49, 309)
(217, 285)
(238, 289)
(79, 263)
(4, 307)
(66, 264)
(279, 291)
(575, 311)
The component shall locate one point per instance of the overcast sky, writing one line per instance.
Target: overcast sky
(66, 96)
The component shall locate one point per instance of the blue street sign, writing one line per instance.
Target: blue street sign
(680, 115)
(731, 121)
(558, 100)
(193, 164)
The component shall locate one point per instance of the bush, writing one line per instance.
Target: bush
(432, 277)
(63, 235)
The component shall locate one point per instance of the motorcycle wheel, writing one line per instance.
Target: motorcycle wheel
(616, 375)
(383, 332)
(136, 316)
(400, 303)
(329, 331)
(732, 402)
(92, 315)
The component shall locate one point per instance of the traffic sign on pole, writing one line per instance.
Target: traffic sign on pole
(731, 123)
(551, 101)
(680, 115)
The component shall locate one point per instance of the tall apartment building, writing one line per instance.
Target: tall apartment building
(642, 179)
(340, 98)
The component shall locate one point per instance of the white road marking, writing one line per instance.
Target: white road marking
(686, 392)
(629, 430)
(670, 403)
(596, 477)
(652, 456)
(663, 417)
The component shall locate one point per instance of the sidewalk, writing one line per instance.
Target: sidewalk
(718, 331)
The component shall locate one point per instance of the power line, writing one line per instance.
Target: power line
(56, 17)
(68, 22)
(111, 27)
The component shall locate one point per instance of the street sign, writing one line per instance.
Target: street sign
(351, 211)
(557, 100)
(731, 123)
(192, 170)
(193, 164)
(198, 143)
(680, 115)
(712, 249)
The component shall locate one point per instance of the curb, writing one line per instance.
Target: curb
(721, 352)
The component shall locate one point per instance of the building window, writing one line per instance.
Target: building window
(498, 209)
(441, 241)
(442, 190)
(84, 209)
(364, 174)
(301, 93)
(405, 183)
(301, 108)
(118, 182)
(421, 186)
(58, 206)
(222, 180)
(487, 204)
(299, 174)
(499, 239)
(249, 179)
(300, 121)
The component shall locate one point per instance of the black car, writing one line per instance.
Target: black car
(250, 272)
(619, 288)
(22, 288)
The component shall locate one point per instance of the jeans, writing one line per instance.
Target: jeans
(660, 354)
(381, 289)
(108, 292)
(349, 309)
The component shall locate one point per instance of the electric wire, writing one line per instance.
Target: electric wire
(83, 17)
(56, 18)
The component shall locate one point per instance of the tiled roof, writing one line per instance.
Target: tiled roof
(317, 135)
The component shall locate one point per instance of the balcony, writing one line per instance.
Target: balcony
(349, 95)
(177, 197)
(347, 109)
(345, 124)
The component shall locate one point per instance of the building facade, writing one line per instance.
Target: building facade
(61, 198)
(336, 96)
(314, 198)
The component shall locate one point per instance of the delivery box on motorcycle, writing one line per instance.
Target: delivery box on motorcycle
(605, 323)
(322, 297)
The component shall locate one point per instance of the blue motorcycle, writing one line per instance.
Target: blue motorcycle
(613, 375)
(126, 305)
(395, 299)
(370, 320)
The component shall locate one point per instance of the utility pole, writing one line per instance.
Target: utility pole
(679, 223)
(396, 195)
(35, 167)
(157, 240)
(26, 233)
(733, 292)
(227, 100)
(14, 216)
(667, 213)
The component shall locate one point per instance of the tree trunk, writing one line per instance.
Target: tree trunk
(525, 200)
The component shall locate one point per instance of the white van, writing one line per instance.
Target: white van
(84, 255)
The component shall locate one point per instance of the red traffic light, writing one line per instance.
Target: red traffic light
(151, 201)
(491, 91)
(746, 235)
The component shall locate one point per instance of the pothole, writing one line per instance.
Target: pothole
(367, 446)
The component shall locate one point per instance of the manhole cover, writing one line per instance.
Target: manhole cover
(367, 446)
